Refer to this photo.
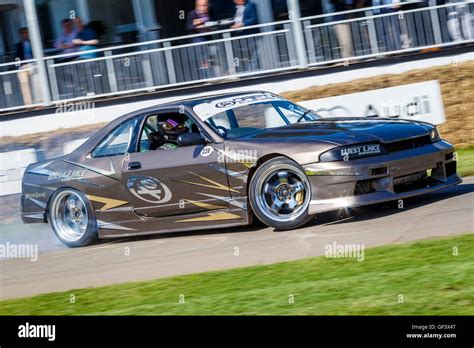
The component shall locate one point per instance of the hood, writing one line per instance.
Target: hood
(346, 131)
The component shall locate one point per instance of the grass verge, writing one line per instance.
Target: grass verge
(466, 161)
(430, 278)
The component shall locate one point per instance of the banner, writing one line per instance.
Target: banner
(418, 101)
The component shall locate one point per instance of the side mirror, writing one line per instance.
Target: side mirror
(189, 139)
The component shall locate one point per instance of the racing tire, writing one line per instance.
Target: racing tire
(280, 194)
(72, 218)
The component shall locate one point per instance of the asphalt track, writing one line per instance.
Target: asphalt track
(442, 213)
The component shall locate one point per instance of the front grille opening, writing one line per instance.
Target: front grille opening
(449, 156)
(407, 144)
(379, 171)
(450, 168)
(365, 186)
(414, 181)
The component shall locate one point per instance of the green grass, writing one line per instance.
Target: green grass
(466, 161)
(431, 279)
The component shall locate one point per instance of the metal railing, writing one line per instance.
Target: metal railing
(232, 53)
(19, 85)
(381, 31)
(168, 65)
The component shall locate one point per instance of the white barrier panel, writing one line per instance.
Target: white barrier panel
(14, 163)
(72, 145)
(17, 159)
(12, 167)
(418, 101)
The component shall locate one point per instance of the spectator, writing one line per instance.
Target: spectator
(245, 14)
(196, 20)
(86, 39)
(404, 33)
(246, 48)
(196, 24)
(343, 30)
(23, 50)
(460, 25)
(26, 75)
(390, 33)
(361, 36)
(64, 42)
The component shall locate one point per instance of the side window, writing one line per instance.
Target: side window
(161, 131)
(117, 142)
(149, 127)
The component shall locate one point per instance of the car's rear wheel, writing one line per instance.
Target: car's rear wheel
(72, 218)
(280, 194)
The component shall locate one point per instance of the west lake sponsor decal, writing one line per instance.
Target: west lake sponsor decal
(361, 150)
(149, 189)
(67, 175)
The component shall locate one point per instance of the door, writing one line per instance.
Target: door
(173, 180)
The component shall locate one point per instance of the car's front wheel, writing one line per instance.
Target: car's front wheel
(280, 194)
(72, 218)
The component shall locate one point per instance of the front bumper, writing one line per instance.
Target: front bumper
(377, 179)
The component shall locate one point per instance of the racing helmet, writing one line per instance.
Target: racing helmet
(168, 132)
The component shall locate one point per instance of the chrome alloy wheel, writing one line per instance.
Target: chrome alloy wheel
(283, 193)
(69, 216)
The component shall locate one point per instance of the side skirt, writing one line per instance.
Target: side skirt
(180, 223)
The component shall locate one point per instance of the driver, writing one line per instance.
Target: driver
(167, 133)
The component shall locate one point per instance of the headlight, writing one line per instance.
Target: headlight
(346, 153)
(434, 135)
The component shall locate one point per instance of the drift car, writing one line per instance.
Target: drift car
(218, 161)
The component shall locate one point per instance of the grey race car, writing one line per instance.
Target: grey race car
(219, 161)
